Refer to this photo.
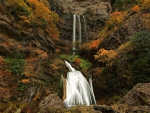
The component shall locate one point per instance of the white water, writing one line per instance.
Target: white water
(78, 90)
(79, 30)
(74, 34)
(85, 29)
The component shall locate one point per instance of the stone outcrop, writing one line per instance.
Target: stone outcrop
(51, 100)
(138, 95)
(16, 36)
(129, 27)
(136, 100)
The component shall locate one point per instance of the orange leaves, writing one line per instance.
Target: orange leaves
(39, 9)
(136, 8)
(37, 97)
(94, 44)
(146, 20)
(34, 13)
(25, 81)
(115, 20)
(116, 17)
(57, 50)
(77, 61)
(145, 4)
(104, 56)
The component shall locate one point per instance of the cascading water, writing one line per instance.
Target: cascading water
(85, 28)
(74, 34)
(78, 90)
(79, 30)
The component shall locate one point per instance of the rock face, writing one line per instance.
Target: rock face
(136, 100)
(130, 26)
(94, 11)
(139, 95)
(51, 100)
(16, 36)
(85, 7)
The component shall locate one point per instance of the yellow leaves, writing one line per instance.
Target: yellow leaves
(116, 17)
(136, 8)
(44, 17)
(18, 7)
(146, 20)
(39, 9)
(105, 56)
(25, 81)
(145, 4)
(35, 13)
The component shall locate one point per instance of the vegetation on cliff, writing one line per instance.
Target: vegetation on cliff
(34, 14)
(29, 28)
(123, 66)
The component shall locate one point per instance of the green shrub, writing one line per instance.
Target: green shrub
(81, 63)
(133, 62)
(21, 86)
(18, 7)
(16, 65)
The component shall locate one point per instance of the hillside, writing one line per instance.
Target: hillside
(36, 38)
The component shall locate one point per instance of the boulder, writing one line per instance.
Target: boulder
(51, 100)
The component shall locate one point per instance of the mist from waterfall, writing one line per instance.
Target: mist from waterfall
(78, 90)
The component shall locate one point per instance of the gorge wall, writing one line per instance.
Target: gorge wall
(94, 11)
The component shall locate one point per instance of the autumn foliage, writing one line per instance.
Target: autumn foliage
(136, 8)
(94, 44)
(145, 4)
(35, 13)
(115, 20)
(105, 56)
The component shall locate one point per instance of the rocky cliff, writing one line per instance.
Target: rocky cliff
(31, 46)
(94, 11)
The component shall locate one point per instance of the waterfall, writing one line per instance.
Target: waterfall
(85, 29)
(74, 34)
(78, 90)
(79, 30)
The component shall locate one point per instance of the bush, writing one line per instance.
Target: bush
(18, 7)
(113, 23)
(105, 56)
(44, 17)
(133, 62)
(145, 4)
(84, 64)
(16, 65)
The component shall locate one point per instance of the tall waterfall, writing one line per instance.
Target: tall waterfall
(78, 90)
(79, 30)
(85, 29)
(74, 34)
